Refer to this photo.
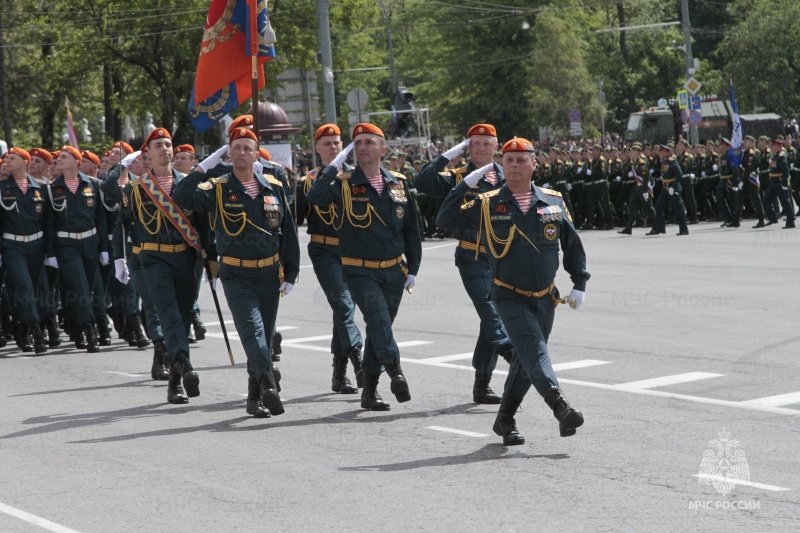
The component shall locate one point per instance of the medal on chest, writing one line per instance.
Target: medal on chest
(550, 213)
(397, 192)
(272, 210)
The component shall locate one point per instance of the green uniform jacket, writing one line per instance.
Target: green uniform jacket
(373, 228)
(533, 255)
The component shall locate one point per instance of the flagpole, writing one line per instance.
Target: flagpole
(254, 43)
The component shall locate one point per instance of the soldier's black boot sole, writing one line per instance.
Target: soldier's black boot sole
(269, 393)
(399, 385)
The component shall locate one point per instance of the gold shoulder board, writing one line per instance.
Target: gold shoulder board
(459, 170)
(551, 192)
(467, 205)
(397, 175)
(273, 181)
(205, 186)
(219, 180)
(488, 194)
(344, 175)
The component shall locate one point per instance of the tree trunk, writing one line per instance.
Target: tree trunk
(4, 107)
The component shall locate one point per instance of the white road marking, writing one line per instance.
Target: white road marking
(457, 431)
(279, 328)
(408, 344)
(231, 335)
(740, 482)
(306, 266)
(777, 400)
(307, 339)
(35, 520)
(447, 358)
(125, 374)
(439, 246)
(667, 380)
(308, 347)
(583, 363)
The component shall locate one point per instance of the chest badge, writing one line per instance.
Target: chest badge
(399, 211)
(550, 232)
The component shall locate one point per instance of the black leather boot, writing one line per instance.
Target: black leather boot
(254, 405)
(53, 335)
(24, 337)
(276, 373)
(8, 326)
(159, 371)
(505, 425)
(481, 392)
(627, 230)
(191, 381)
(370, 399)
(138, 337)
(269, 393)
(39, 344)
(78, 334)
(103, 333)
(92, 345)
(199, 327)
(276, 347)
(399, 385)
(568, 418)
(355, 359)
(339, 382)
(175, 392)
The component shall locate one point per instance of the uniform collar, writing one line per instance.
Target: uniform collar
(233, 182)
(31, 182)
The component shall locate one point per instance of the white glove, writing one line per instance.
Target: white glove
(645, 196)
(692, 176)
(618, 178)
(130, 158)
(703, 174)
(714, 168)
(630, 174)
(575, 298)
(671, 191)
(569, 187)
(258, 168)
(104, 258)
(546, 186)
(588, 171)
(341, 157)
(286, 287)
(652, 171)
(475, 176)
(411, 280)
(456, 150)
(52, 262)
(213, 160)
(121, 271)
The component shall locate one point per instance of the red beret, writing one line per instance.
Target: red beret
(327, 129)
(518, 144)
(365, 127)
(54, 155)
(107, 153)
(776, 142)
(71, 150)
(243, 133)
(91, 156)
(265, 153)
(242, 121)
(158, 133)
(125, 146)
(43, 154)
(22, 153)
(184, 148)
(482, 129)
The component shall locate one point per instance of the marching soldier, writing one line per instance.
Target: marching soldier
(323, 250)
(727, 187)
(470, 258)
(257, 240)
(641, 195)
(378, 227)
(750, 183)
(688, 168)
(79, 222)
(26, 240)
(169, 257)
(597, 190)
(515, 219)
(671, 180)
(779, 186)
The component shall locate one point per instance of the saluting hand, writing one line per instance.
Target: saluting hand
(475, 176)
(456, 150)
(213, 160)
(341, 157)
(130, 158)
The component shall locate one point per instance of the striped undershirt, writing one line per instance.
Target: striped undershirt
(165, 182)
(524, 201)
(23, 185)
(377, 183)
(72, 184)
(251, 188)
(491, 177)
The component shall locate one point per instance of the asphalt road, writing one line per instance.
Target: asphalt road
(681, 342)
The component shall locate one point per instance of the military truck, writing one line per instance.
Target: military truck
(659, 125)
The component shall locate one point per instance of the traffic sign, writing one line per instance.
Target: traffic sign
(662, 102)
(683, 99)
(692, 85)
(575, 115)
(357, 99)
(694, 103)
(695, 117)
(356, 118)
(575, 129)
(685, 116)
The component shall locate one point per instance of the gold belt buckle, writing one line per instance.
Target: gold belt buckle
(261, 263)
(383, 264)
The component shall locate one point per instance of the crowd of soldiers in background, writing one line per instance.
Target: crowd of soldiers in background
(596, 178)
